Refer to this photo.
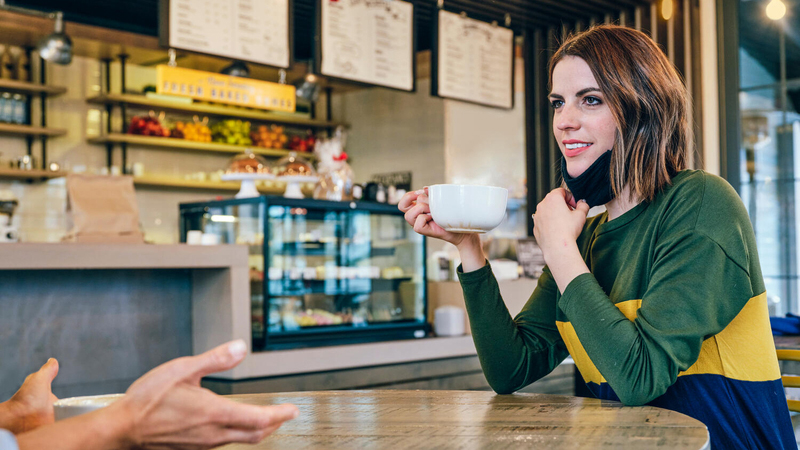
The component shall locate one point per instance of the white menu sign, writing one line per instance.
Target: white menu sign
(248, 30)
(474, 61)
(370, 41)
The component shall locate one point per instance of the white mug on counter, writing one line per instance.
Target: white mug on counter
(449, 321)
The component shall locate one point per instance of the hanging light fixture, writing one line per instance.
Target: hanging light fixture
(667, 9)
(57, 47)
(236, 69)
(308, 87)
(776, 9)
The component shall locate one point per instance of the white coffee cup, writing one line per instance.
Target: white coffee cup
(75, 406)
(462, 208)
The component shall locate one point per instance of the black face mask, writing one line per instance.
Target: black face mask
(594, 184)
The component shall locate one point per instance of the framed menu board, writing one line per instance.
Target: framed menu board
(257, 31)
(472, 61)
(367, 41)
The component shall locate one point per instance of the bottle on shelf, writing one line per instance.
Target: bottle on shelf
(23, 67)
(6, 64)
(7, 110)
(19, 109)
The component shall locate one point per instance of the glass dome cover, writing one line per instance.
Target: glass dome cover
(248, 163)
(294, 165)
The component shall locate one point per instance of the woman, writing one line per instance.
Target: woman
(660, 299)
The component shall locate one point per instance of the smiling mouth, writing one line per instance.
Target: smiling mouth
(575, 146)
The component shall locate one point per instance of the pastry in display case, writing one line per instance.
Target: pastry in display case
(323, 272)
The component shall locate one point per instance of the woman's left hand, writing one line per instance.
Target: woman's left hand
(558, 222)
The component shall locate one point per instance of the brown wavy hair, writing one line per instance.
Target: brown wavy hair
(648, 100)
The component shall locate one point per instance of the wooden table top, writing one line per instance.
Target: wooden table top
(392, 419)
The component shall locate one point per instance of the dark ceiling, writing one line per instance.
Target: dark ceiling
(141, 16)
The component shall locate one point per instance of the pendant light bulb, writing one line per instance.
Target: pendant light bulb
(776, 9)
(667, 9)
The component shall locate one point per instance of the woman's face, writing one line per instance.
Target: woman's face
(582, 122)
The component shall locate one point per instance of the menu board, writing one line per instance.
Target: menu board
(474, 61)
(247, 30)
(369, 41)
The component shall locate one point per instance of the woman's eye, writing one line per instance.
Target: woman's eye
(593, 100)
(556, 103)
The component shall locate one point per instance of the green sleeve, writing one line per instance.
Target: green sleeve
(695, 289)
(513, 352)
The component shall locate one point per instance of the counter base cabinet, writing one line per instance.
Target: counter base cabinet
(321, 272)
(458, 373)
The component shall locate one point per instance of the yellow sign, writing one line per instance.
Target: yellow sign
(215, 87)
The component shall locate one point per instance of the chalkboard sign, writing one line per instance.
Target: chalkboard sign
(473, 61)
(530, 257)
(248, 30)
(367, 41)
(400, 180)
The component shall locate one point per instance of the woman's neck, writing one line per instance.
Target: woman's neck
(621, 204)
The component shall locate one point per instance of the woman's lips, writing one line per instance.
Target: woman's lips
(570, 152)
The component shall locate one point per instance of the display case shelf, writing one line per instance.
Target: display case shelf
(30, 130)
(331, 249)
(353, 286)
(210, 109)
(24, 87)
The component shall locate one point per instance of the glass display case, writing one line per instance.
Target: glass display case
(328, 273)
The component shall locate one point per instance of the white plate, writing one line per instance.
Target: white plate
(246, 176)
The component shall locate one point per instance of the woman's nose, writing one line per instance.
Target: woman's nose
(567, 118)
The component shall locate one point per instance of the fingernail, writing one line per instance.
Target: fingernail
(420, 192)
(582, 200)
(237, 348)
(296, 413)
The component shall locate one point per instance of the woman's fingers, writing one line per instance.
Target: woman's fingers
(412, 214)
(421, 223)
(407, 201)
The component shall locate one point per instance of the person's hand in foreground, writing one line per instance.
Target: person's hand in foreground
(32, 405)
(167, 408)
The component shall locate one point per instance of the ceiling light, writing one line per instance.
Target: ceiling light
(57, 47)
(667, 9)
(776, 10)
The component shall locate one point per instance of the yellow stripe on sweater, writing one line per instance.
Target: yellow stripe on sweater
(744, 350)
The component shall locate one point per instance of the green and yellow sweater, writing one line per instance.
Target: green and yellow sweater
(673, 314)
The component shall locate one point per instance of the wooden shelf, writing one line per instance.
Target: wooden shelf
(30, 130)
(23, 87)
(183, 144)
(209, 109)
(177, 183)
(19, 174)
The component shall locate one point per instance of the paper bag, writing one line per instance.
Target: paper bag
(102, 209)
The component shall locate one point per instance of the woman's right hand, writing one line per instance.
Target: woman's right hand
(418, 214)
(416, 206)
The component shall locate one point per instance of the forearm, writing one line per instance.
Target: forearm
(636, 370)
(98, 430)
(512, 352)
